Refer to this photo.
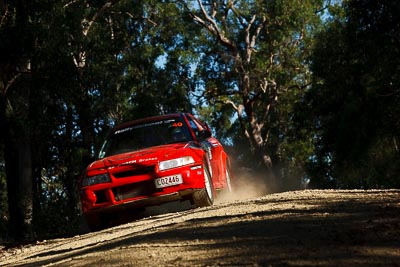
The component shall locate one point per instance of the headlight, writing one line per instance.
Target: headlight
(97, 179)
(175, 163)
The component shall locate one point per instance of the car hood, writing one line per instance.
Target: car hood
(144, 156)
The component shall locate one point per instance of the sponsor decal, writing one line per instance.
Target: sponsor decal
(134, 161)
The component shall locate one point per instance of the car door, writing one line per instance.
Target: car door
(212, 147)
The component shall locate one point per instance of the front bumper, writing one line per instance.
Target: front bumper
(139, 191)
(145, 202)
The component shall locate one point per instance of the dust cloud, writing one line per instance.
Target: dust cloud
(245, 185)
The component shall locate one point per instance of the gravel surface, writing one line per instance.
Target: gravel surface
(296, 228)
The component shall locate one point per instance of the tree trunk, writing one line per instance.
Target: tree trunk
(17, 154)
(72, 164)
(25, 201)
(18, 161)
(15, 85)
(258, 143)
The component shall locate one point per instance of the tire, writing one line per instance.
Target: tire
(205, 196)
(228, 179)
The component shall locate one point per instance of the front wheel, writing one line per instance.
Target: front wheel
(228, 180)
(205, 196)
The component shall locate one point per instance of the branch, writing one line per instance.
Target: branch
(105, 7)
(231, 6)
(247, 30)
(71, 3)
(239, 108)
(250, 44)
(259, 28)
(210, 24)
(149, 20)
(389, 94)
(323, 8)
(10, 82)
(272, 100)
(3, 18)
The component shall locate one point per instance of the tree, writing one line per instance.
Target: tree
(355, 96)
(65, 83)
(16, 100)
(253, 56)
(157, 57)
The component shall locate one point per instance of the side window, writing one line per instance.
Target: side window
(194, 127)
(200, 129)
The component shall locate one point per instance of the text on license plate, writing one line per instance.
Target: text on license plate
(168, 181)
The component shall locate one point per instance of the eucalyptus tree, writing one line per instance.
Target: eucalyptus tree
(253, 57)
(157, 57)
(69, 71)
(16, 103)
(35, 73)
(354, 101)
(46, 100)
(103, 60)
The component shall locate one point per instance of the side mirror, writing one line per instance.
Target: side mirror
(204, 134)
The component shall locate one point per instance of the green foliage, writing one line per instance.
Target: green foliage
(355, 96)
(91, 65)
(70, 70)
(253, 69)
(156, 75)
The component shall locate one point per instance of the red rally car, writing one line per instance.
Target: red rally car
(152, 161)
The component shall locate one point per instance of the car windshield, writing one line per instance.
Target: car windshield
(147, 134)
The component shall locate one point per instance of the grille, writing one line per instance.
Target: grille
(134, 190)
(135, 172)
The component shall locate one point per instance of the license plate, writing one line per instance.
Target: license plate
(168, 181)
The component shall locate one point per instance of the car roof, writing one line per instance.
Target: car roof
(147, 119)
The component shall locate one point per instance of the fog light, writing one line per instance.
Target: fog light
(90, 196)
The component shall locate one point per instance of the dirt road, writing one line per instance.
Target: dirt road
(298, 228)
